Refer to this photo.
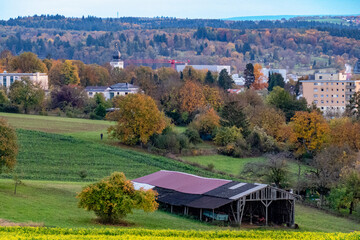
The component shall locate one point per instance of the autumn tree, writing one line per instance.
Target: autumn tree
(212, 97)
(8, 146)
(27, 62)
(260, 81)
(63, 73)
(205, 123)
(69, 74)
(27, 94)
(310, 132)
(271, 120)
(191, 97)
(138, 118)
(114, 197)
(344, 132)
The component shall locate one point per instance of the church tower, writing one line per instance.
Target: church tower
(116, 61)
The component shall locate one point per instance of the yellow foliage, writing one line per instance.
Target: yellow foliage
(310, 131)
(344, 132)
(138, 118)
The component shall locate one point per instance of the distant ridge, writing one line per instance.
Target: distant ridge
(279, 17)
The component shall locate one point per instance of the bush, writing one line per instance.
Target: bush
(226, 135)
(206, 123)
(193, 136)
(9, 108)
(260, 142)
(170, 141)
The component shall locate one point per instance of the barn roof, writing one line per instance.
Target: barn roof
(181, 182)
(235, 190)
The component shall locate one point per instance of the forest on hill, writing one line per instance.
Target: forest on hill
(287, 44)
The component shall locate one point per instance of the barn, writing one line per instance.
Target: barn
(210, 199)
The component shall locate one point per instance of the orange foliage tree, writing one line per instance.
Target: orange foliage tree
(114, 197)
(205, 123)
(212, 97)
(138, 118)
(344, 132)
(310, 131)
(260, 81)
(191, 97)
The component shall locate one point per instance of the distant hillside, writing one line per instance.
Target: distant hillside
(286, 44)
(259, 18)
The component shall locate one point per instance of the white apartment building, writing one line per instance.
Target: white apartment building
(7, 79)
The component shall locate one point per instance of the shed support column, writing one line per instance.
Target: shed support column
(200, 214)
(293, 213)
(185, 213)
(251, 214)
(266, 213)
(171, 208)
(238, 211)
(213, 214)
(266, 204)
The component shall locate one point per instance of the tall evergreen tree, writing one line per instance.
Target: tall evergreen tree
(209, 79)
(249, 75)
(225, 80)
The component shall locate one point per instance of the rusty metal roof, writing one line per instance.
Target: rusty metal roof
(182, 182)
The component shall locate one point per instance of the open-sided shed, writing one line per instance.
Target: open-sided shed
(221, 199)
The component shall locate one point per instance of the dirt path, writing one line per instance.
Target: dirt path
(6, 223)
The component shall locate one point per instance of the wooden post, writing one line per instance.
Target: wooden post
(251, 214)
(200, 214)
(171, 208)
(238, 211)
(293, 213)
(185, 211)
(213, 214)
(266, 212)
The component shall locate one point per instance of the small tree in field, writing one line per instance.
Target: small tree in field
(8, 146)
(114, 197)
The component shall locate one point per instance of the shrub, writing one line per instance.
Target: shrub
(226, 135)
(260, 142)
(206, 123)
(193, 136)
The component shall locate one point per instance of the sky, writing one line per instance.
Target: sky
(177, 8)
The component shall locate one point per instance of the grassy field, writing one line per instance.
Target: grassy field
(54, 204)
(67, 146)
(235, 166)
(48, 156)
(55, 124)
(223, 163)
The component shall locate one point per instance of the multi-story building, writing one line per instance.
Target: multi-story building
(7, 79)
(329, 91)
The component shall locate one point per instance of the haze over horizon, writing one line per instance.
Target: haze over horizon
(179, 9)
